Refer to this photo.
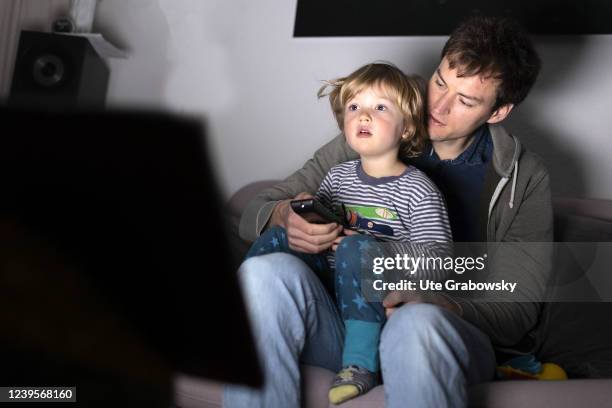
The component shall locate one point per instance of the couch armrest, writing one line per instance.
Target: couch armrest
(236, 205)
(244, 195)
(584, 207)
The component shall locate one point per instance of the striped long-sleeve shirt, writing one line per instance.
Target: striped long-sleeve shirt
(407, 207)
(408, 210)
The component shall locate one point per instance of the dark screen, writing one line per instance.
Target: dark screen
(114, 263)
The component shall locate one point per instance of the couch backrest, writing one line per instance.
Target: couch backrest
(576, 335)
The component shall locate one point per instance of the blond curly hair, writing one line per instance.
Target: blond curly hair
(407, 91)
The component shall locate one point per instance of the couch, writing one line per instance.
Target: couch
(575, 335)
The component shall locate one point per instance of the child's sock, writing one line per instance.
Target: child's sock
(351, 382)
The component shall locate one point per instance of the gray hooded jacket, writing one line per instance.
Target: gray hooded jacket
(519, 211)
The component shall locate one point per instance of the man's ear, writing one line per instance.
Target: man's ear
(500, 113)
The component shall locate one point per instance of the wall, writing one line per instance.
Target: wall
(236, 64)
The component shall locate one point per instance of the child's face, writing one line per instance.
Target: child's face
(373, 124)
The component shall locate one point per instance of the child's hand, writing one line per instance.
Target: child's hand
(397, 298)
(346, 232)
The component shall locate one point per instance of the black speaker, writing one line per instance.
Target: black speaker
(58, 71)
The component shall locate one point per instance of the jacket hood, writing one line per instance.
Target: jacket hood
(506, 150)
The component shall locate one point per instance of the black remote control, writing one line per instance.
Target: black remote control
(313, 211)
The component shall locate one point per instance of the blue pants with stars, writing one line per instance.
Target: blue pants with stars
(363, 320)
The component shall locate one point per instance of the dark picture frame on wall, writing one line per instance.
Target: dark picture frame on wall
(344, 18)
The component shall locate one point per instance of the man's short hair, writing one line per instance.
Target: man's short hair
(498, 48)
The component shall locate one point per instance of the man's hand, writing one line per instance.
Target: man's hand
(304, 236)
(396, 298)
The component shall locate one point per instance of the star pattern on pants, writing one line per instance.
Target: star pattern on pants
(363, 245)
(359, 301)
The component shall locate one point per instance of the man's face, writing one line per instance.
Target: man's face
(459, 105)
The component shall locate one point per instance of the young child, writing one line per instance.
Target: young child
(380, 111)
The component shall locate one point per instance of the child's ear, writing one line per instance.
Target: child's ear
(409, 131)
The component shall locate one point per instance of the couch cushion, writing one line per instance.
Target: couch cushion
(541, 394)
(194, 393)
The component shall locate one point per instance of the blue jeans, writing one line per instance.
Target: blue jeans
(429, 356)
(362, 320)
(275, 240)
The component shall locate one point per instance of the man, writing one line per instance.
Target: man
(432, 347)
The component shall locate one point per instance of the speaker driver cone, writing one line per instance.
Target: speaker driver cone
(48, 70)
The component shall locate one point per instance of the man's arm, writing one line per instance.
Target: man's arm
(524, 256)
(271, 206)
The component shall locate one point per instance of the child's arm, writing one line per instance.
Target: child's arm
(427, 236)
(326, 192)
(430, 237)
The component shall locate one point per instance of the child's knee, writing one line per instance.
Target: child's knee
(356, 244)
(275, 235)
(276, 230)
(274, 239)
(354, 254)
